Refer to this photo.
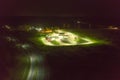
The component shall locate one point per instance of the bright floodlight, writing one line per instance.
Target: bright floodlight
(63, 38)
(38, 29)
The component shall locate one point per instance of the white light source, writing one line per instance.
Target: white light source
(38, 29)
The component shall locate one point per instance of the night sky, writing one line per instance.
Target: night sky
(104, 10)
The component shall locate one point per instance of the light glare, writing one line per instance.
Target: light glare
(63, 38)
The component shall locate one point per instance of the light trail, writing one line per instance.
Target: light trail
(31, 71)
(88, 41)
(37, 68)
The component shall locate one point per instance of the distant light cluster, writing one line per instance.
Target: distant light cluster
(64, 38)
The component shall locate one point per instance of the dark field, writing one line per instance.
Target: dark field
(93, 62)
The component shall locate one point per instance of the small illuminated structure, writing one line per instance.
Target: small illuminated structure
(113, 28)
(63, 38)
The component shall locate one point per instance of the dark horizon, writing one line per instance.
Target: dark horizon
(92, 11)
(52, 19)
(63, 7)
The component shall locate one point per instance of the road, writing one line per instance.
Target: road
(37, 68)
(36, 71)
